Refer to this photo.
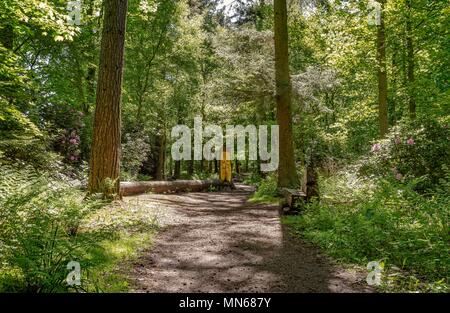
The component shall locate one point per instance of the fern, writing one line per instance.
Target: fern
(39, 219)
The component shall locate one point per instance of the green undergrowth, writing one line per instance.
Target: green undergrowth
(358, 221)
(125, 231)
(266, 192)
(45, 223)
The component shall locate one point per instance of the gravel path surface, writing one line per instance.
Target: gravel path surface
(219, 242)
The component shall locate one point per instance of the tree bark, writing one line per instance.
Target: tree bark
(382, 75)
(170, 168)
(312, 180)
(410, 62)
(105, 152)
(393, 101)
(177, 169)
(190, 169)
(161, 158)
(216, 166)
(287, 175)
(210, 167)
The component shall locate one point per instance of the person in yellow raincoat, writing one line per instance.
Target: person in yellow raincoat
(225, 174)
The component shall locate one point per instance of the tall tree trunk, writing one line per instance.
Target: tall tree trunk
(177, 169)
(382, 75)
(161, 158)
(216, 166)
(287, 175)
(202, 165)
(258, 165)
(393, 102)
(170, 168)
(312, 186)
(105, 152)
(210, 167)
(410, 62)
(90, 75)
(190, 168)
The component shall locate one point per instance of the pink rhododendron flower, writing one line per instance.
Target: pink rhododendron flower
(72, 158)
(73, 141)
(397, 140)
(410, 141)
(398, 176)
(376, 147)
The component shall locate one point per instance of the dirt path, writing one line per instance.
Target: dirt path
(218, 242)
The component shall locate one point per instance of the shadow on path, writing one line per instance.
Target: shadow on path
(218, 242)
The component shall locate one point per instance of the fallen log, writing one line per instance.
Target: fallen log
(134, 188)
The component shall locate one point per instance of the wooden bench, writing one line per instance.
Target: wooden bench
(293, 201)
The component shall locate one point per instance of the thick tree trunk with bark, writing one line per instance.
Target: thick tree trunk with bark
(382, 74)
(287, 175)
(105, 152)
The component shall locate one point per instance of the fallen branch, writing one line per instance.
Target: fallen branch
(134, 188)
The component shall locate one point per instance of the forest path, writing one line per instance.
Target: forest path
(219, 242)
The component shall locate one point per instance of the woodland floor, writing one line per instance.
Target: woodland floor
(219, 242)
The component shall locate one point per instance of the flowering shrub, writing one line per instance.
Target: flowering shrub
(69, 143)
(70, 130)
(417, 150)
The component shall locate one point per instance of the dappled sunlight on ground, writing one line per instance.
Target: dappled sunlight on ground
(219, 242)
